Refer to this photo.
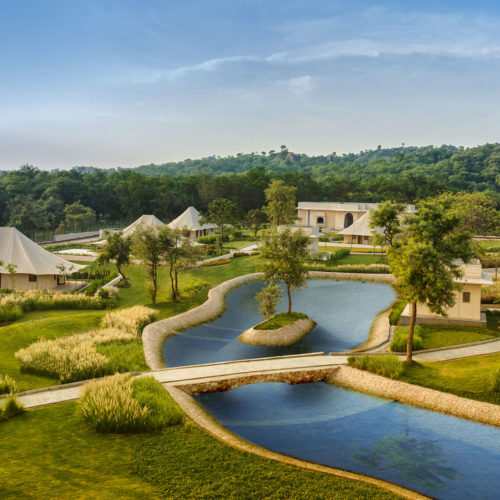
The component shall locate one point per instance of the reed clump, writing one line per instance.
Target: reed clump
(132, 320)
(10, 408)
(385, 365)
(398, 343)
(119, 404)
(7, 385)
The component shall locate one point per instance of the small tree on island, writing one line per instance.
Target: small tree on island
(286, 252)
(424, 259)
(117, 249)
(268, 298)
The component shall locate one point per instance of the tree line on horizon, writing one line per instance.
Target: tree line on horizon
(84, 197)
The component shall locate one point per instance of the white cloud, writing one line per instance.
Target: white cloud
(300, 85)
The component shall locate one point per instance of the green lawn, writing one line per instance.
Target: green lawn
(471, 377)
(32, 326)
(47, 453)
(443, 336)
(361, 259)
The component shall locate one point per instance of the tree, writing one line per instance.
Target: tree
(386, 216)
(148, 244)
(424, 260)
(189, 255)
(221, 212)
(256, 219)
(280, 208)
(116, 248)
(286, 251)
(77, 217)
(268, 298)
(11, 269)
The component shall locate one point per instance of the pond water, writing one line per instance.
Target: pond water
(435, 454)
(344, 311)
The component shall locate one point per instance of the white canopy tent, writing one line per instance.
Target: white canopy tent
(190, 220)
(35, 267)
(142, 221)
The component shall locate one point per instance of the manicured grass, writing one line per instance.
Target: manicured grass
(236, 244)
(48, 453)
(280, 320)
(34, 326)
(470, 377)
(368, 249)
(359, 259)
(443, 336)
(124, 356)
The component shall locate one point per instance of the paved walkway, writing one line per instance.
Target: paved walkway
(191, 374)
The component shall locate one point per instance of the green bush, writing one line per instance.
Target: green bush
(324, 239)
(381, 364)
(339, 254)
(398, 343)
(211, 238)
(219, 262)
(7, 385)
(397, 310)
(349, 268)
(10, 311)
(119, 404)
(11, 408)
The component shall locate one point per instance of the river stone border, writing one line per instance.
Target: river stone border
(415, 395)
(154, 334)
(203, 419)
(286, 335)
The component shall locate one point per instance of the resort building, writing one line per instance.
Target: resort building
(189, 221)
(33, 267)
(360, 231)
(331, 216)
(312, 231)
(142, 221)
(467, 308)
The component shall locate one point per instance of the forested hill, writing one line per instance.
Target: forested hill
(85, 197)
(475, 168)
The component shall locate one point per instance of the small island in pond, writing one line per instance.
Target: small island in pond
(280, 330)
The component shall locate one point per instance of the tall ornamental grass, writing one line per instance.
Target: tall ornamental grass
(385, 365)
(496, 382)
(7, 385)
(398, 343)
(71, 358)
(132, 320)
(397, 309)
(11, 407)
(119, 404)
(350, 268)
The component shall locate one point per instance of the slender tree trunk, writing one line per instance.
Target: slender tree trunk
(221, 242)
(177, 282)
(411, 329)
(289, 299)
(121, 272)
(172, 282)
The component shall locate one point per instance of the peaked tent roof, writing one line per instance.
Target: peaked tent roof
(190, 219)
(361, 227)
(143, 220)
(30, 258)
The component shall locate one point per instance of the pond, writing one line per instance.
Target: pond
(344, 311)
(435, 454)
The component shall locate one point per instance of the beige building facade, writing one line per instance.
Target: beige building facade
(467, 308)
(23, 281)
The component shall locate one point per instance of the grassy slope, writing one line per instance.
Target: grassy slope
(470, 377)
(442, 336)
(47, 452)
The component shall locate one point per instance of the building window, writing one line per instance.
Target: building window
(320, 220)
(32, 278)
(466, 297)
(348, 220)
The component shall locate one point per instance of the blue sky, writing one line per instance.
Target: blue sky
(122, 83)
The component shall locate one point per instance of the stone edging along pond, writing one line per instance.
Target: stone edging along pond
(154, 335)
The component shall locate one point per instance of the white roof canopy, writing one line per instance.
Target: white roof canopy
(190, 219)
(361, 227)
(142, 221)
(30, 258)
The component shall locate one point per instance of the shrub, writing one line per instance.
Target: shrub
(132, 320)
(211, 238)
(397, 310)
(398, 343)
(71, 358)
(219, 262)
(241, 254)
(7, 385)
(496, 382)
(381, 364)
(339, 254)
(11, 408)
(119, 404)
(351, 268)
(324, 239)
(10, 311)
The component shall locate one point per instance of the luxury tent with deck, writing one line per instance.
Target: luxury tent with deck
(360, 232)
(142, 221)
(33, 267)
(189, 221)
